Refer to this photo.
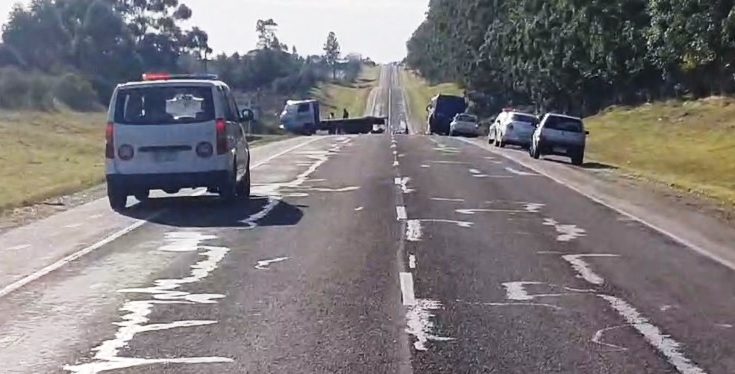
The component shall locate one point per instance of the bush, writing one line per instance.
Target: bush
(31, 90)
(14, 89)
(76, 92)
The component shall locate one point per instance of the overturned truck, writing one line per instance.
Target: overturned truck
(303, 117)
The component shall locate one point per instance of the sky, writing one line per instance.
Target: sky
(377, 29)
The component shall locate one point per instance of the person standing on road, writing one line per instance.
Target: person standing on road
(345, 114)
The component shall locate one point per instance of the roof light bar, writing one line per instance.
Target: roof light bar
(167, 76)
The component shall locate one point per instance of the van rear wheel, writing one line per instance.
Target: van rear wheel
(118, 198)
(243, 187)
(228, 191)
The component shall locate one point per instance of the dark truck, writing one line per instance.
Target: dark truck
(303, 117)
(442, 110)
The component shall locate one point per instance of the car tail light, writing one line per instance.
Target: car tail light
(125, 152)
(110, 141)
(204, 150)
(221, 136)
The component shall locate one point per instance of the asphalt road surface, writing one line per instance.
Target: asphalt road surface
(384, 253)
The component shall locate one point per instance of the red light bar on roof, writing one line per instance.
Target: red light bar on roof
(167, 76)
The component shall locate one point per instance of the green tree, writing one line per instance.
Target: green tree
(332, 53)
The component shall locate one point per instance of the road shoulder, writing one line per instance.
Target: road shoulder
(697, 229)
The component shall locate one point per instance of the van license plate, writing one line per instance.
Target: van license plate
(560, 150)
(165, 156)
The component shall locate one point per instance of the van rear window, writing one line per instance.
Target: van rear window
(164, 105)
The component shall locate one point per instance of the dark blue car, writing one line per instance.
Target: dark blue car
(442, 110)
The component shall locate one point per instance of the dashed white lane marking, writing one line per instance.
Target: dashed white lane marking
(18, 247)
(409, 299)
(401, 213)
(359, 209)
(264, 264)
(597, 338)
(667, 346)
(447, 199)
(443, 162)
(395, 163)
(517, 291)
(165, 291)
(724, 325)
(491, 176)
(412, 261)
(566, 232)
(424, 166)
(413, 230)
(519, 172)
(475, 171)
(583, 268)
(665, 308)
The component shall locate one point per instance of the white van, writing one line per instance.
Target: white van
(172, 132)
(301, 117)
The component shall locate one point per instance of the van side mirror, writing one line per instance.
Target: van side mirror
(428, 108)
(247, 115)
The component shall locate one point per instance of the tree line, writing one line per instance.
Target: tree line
(77, 51)
(577, 56)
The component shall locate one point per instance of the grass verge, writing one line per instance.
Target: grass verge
(419, 93)
(49, 154)
(353, 96)
(687, 145)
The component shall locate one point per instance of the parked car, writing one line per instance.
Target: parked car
(442, 110)
(559, 134)
(464, 124)
(512, 127)
(172, 132)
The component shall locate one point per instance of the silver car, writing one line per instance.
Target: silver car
(561, 135)
(464, 124)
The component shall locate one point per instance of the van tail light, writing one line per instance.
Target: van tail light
(110, 141)
(204, 150)
(221, 136)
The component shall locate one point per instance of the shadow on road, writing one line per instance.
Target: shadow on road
(210, 211)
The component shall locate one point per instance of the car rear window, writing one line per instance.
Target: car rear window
(525, 118)
(564, 124)
(164, 105)
(466, 118)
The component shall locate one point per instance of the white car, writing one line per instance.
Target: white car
(512, 128)
(464, 124)
(172, 132)
(562, 135)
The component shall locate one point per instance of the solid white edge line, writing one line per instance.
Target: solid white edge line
(632, 216)
(74, 256)
(407, 289)
(279, 154)
(14, 286)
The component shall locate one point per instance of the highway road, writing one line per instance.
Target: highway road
(387, 253)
